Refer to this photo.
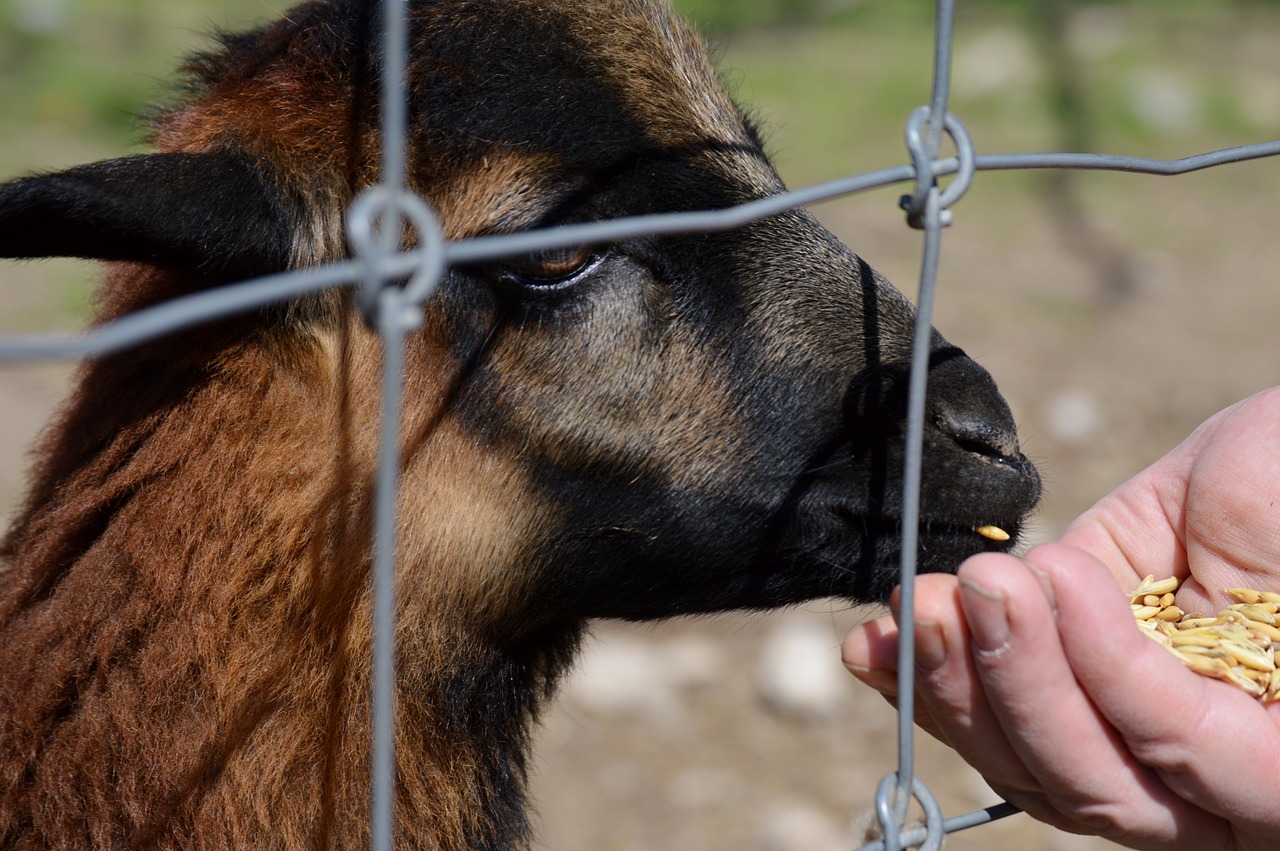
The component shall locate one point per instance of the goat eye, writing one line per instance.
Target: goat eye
(550, 268)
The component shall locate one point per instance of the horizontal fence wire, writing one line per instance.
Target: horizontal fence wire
(395, 311)
(191, 310)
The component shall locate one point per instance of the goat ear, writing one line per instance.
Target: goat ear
(214, 214)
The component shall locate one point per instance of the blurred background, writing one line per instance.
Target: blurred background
(1116, 312)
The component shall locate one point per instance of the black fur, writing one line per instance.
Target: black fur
(216, 215)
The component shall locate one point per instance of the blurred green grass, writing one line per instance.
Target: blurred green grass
(76, 74)
(831, 82)
(1161, 79)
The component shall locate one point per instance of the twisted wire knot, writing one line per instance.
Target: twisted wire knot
(376, 221)
(924, 159)
(890, 812)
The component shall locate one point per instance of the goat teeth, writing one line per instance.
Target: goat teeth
(994, 533)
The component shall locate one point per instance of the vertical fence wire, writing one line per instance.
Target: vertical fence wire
(382, 785)
(389, 320)
(926, 209)
(892, 814)
(383, 217)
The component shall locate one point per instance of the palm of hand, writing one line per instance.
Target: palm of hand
(1034, 672)
(1208, 513)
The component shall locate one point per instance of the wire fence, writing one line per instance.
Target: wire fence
(394, 309)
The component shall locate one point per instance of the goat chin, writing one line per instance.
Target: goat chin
(663, 425)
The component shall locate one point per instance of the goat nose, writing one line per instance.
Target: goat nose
(975, 432)
(964, 404)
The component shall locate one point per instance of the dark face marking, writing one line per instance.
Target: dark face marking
(685, 423)
(698, 422)
(713, 421)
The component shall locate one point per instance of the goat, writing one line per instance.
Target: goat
(663, 426)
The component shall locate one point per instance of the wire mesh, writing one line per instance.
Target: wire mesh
(395, 311)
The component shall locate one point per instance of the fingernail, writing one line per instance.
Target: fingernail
(859, 645)
(1046, 584)
(885, 682)
(987, 612)
(931, 650)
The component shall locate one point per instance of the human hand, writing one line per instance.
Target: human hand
(1034, 671)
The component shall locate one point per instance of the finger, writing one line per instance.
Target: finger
(870, 653)
(1084, 768)
(948, 690)
(1208, 742)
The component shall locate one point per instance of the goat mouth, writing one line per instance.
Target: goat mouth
(944, 544)
(984, 535)
(1001, 536)
(856, 555)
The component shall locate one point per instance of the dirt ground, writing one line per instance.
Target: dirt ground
(744, 732)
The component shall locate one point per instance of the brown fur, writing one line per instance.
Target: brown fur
(185, 612)
(232, 688)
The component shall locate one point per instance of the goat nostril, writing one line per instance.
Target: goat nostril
(978, 435)
(982, 449)
(965, 406)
